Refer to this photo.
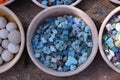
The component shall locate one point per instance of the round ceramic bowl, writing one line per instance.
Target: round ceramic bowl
(58, 11)
(115, 1)
(10, 16)
(102, 29)
(7, 3)
(42, 6)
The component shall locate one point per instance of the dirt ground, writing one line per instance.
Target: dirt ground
(25, 68)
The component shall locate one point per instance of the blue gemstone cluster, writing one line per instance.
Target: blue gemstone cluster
(56, 2)
(62, 43)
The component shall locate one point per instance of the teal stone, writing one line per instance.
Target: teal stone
(71, 53)
(37, 55)
(46, 63)
(71, 61)
(89, 50)
(87, 29)
(43, 40)
(66, 68)
(73, 67)
(53, 66)
(85, 36)
(83, 59)
(46, 50)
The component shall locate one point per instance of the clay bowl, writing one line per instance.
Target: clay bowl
(10, 16)
(42, 6)
(102, 29)
(115, 1)
(9, 2)
(57, 11)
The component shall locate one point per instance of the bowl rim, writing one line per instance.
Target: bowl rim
(42, 6)
(53, 72)
(7, 3)
(5, 66)
(116, 10)
(115, 1)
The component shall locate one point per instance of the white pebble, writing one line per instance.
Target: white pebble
(109, 57)
(4, 33)
(109, 27)
(1, 61)
(5, 43)
(13, 48)
(6, 56)
(1, 49)
(11, 26)
(111, 53)
(117, 27)
(3, 22)
(14, 37)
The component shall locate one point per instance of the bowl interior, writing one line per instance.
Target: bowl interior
(102, 29)
(10, 16)
(57, 11)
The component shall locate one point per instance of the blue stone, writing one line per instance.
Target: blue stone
(82, 59)
(42, 59)
(114, 32)
(73, 67)
(43, 40)
(87, 29)
(65, 53)
(45, 3)
(109, 41)
(37, 55)
(85, 36)
(46, 63)
(40, 45)
(71, 53)
(59, 57)
(53, 66)
(71, 61)
(115, 49)
(89, 50)
(66, 68)
(83, 51)
(46, 50)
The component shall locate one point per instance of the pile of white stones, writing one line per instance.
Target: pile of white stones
(10, 39)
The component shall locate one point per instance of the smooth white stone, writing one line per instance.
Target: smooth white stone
(14, 37)
(111, 53)
(13, 48)
(3, 22)
(4, 33)
(5, 43)
(109, 27)
(11, 26)
(6, 56)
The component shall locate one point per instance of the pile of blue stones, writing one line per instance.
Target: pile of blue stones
(56, 2)
(62, 43)
(111, 40)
